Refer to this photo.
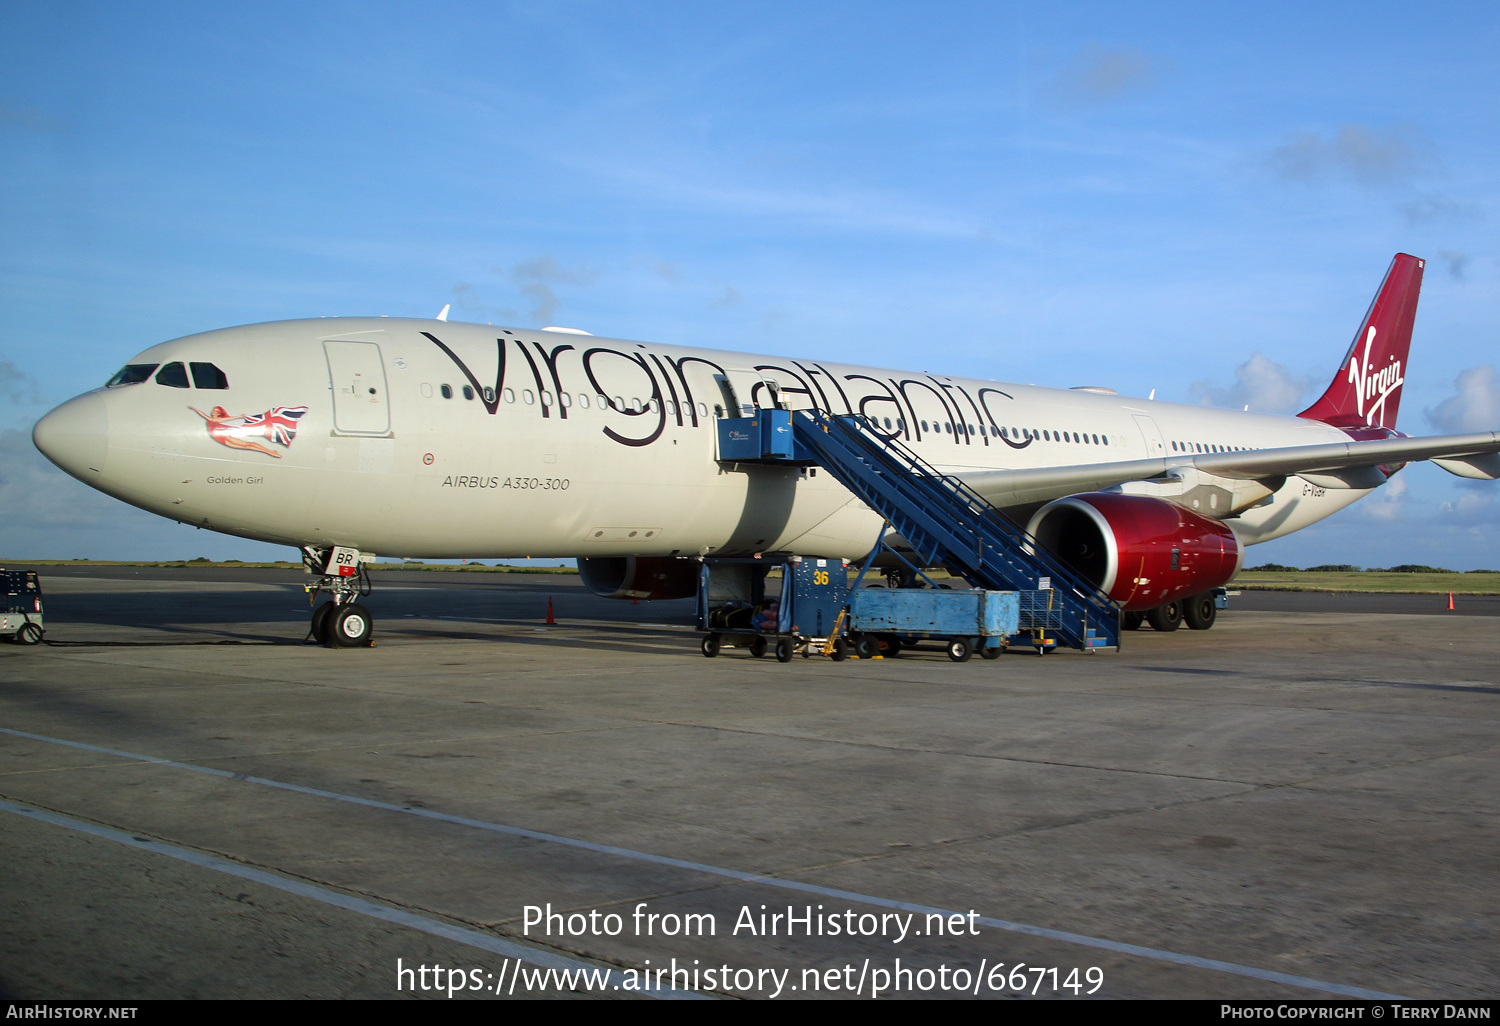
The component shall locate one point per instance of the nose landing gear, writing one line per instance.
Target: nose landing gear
(342, 622)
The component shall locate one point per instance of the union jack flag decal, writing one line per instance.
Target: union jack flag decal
(251, 431)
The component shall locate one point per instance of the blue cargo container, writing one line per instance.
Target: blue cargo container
(966, 619)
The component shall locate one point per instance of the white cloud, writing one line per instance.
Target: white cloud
(1458, 263)
(728, 297)
(48, 515)
(16, 385)
(1388, 504)
(1475, 407)
(1099, 73)
(33, 491)
(1370, 156)
(536, 278)
(1437, 207)
(29, 119)
(1260, 383)
(1469, 506)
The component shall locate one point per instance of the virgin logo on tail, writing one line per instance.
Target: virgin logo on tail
(1366, 392)
(1379, 386)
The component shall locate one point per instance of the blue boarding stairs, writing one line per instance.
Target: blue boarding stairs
(944, 521)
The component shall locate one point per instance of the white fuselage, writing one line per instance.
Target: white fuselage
(575, 445)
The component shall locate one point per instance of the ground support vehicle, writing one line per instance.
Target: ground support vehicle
(21, 607)
(942, 521)
(965, 621)
(816, 612)
(807, 617)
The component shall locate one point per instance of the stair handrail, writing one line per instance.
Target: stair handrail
(891, 452)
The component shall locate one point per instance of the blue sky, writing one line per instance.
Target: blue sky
(1183, 197)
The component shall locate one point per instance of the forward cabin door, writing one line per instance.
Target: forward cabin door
(357, 374)
(746, 391)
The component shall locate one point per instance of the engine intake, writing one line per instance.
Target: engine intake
(1140, 551)
(639, 577)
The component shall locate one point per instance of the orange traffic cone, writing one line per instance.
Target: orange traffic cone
(549, 610)
(1450, 600)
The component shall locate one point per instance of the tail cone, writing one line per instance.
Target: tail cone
(550, 618)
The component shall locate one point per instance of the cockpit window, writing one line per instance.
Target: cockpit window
(131, 374)
(206, 375)
(173, 374)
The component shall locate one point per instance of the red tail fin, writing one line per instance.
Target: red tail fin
(1367, 389)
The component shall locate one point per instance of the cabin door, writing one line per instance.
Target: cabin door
(357, 376)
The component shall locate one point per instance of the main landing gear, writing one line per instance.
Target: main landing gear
(341, 622)
(1197, 611)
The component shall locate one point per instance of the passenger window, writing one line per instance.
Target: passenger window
(446, 390)
(583, 400)
(527, 397)
(489, 394)
(206, 375)
(131, 374)
(565, 398)
(510, 395)
(703, 409)
(468, 392)
(173, 375)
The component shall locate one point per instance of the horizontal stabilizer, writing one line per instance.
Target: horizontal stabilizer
(1480, 467)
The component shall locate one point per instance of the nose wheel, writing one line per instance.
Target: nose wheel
(342, 622)
(350, 627)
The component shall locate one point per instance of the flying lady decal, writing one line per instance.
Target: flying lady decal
(251, 431)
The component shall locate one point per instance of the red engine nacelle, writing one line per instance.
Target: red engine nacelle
(1138, 550)
(639, 577)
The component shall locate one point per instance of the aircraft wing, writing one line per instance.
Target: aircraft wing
(1332, 465)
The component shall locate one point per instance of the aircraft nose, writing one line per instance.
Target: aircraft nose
(75, 436)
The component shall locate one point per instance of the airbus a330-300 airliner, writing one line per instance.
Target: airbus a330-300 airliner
(348, 437)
